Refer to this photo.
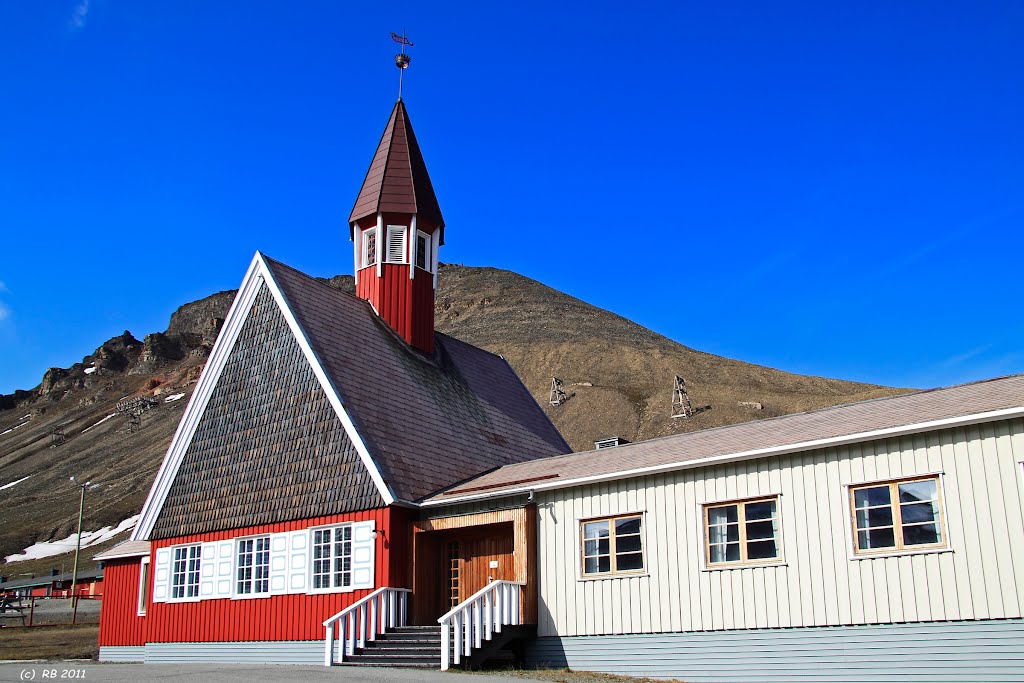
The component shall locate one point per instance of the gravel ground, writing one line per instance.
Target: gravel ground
(225, 673)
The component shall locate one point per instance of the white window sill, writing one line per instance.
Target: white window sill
(901, 553)
(751, 565)
(620, 575)
(250, 596)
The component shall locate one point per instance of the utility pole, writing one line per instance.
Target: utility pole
(78, 548)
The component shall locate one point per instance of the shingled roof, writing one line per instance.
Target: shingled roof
(878, 418)
(428, 421)
(397, 180)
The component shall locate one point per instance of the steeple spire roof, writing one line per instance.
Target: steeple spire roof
(397, 181)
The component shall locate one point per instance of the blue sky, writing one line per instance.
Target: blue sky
(826, 188)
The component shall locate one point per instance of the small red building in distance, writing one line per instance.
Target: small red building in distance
(292, 487)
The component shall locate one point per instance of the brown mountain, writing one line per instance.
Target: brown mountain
(617, 374)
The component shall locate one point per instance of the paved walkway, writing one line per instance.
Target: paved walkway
(226, 673)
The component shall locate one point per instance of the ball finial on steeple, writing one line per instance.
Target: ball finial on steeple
(402, 60)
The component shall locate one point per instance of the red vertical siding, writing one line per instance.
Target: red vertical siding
(279, 617)
(405, 304)
(119, 620)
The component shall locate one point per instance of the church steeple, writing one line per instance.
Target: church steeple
(397, 227)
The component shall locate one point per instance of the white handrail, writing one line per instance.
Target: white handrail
(364, 620)
(478, 618)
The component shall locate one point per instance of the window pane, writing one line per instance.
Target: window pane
(724, 534)
(762, 510)
(760, 530)
(596, 547)
(630, 525)
(595, 530)
(629, 562)
(917, 491)
(874, 517)
(597, 565)
(760, 550)
(869, 497)
(722, 515)
(919, 512)
(627, 544)
(875, 538)
(921, 534)
(725, 553)
(421, 251)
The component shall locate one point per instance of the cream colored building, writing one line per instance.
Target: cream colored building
(881, 540)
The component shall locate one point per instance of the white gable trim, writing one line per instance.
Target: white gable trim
(257, 275)
(887, 433)
(236, 317)
(328, 387)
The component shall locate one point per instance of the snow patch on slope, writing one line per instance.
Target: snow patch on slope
(89, 538)
(99, 423)
(13, 483)
(174, 397)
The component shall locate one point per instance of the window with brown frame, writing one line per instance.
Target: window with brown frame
(613, 545)
(905, 514)
(742, 532)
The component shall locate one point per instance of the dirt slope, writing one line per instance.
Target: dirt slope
(617, 373)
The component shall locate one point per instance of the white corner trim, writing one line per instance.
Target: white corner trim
(236, 317)
(785, 449)
(413, 241)
(326, 384)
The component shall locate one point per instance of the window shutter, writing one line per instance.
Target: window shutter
(298, 545)
(225, 562)
(363, 544)
(207, 570)
(162, 575)
(396, 243)
(278, 564)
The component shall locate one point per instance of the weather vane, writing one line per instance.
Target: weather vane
(401, 59)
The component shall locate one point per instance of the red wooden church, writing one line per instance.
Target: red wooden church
(290, 494)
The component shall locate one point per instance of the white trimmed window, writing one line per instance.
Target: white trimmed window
(396, 244)
(332, 557)
(143, 587)
(369, 247)
(423, 243)
(185, 572)
(902, 515)
(742, 532)
(253, 573)
(613, 545)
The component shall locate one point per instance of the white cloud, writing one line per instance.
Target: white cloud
(5, 312)
(78, 16)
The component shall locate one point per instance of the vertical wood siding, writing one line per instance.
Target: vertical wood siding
(406, 304)
(119, 620)
(278, 617)
(819, 585)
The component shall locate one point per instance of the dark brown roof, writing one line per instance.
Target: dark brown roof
(750, 439)
(428, 421)
(269, 447)
(397, 180)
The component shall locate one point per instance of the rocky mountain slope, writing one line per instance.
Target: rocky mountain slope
(618, 376)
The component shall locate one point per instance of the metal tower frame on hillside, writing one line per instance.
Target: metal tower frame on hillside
(681, 406)
(557, 396)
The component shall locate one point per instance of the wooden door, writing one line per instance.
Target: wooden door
(485, 558)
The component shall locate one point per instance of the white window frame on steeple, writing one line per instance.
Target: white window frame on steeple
(424, 253)
(369, 259)
(398, 244)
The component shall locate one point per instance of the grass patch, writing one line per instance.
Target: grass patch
(49, 642)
